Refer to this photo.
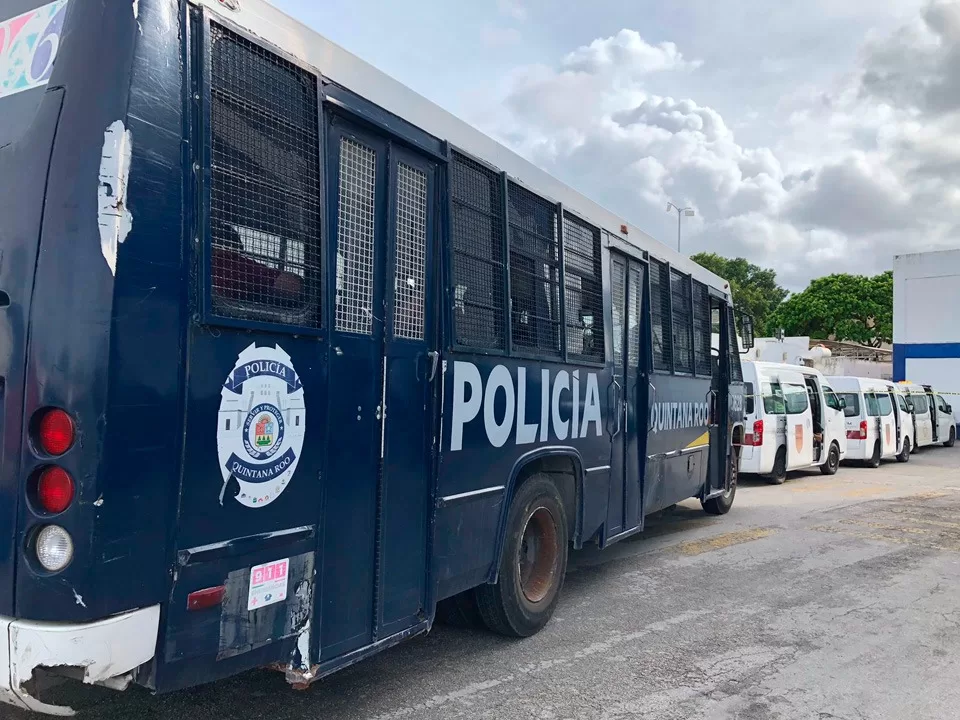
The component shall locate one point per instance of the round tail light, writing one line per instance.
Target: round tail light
(54, 548)
(55, 489)
(55, 432)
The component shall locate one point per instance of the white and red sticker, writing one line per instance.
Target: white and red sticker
(268, 584)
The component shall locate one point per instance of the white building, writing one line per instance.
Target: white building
(926, 326)
(829, 357)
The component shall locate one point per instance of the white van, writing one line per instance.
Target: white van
(794, 420)
(932, 415)
(878, 423)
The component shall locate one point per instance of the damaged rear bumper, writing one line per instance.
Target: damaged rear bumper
(105, 652)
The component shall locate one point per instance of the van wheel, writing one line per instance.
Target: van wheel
(953, 438)
(904, 455)
(779, 474)
(721, 505)
(874, 461)
(833, 460)
(532, 564)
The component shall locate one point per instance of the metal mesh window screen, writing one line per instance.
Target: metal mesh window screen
(682, 322)
(618, 298)
(659, 312)
(355, 237)
(633, 315)
(701, 329)
(479, 275)
(409, 282)
(583, 285)
(534, 272)
(264, 185)
(736, 372)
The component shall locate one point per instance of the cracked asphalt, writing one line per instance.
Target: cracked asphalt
(822, 598)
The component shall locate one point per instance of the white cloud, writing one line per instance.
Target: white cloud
(498, 37)
(860, 168)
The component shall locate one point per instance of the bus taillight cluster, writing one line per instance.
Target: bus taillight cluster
(52, 487)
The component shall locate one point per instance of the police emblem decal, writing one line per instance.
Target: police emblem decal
(262, 421)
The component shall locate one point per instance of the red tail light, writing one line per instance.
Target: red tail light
(863, 429)
(205, 599)
(757, 433)
(55, 489)
(55, 432)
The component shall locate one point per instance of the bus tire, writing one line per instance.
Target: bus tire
(832, 464)
(904, 455)
(779, 474)
(532, 564)
(721, 505)
(953, 437)
(874, 461)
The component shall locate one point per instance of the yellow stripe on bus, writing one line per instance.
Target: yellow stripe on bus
(702, 441)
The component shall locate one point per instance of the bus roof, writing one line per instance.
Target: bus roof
(345, 69)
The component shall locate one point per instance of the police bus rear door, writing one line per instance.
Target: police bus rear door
(382, 204)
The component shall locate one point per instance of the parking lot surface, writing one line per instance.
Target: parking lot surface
(826, 597)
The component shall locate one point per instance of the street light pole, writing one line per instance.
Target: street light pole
(681, 213)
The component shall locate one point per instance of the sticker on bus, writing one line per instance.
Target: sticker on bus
(261, 426)
(28, 47)
(268, 584)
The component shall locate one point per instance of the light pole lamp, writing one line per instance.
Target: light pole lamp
(681, 213)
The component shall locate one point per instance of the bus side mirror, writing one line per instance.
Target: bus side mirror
(746, 330)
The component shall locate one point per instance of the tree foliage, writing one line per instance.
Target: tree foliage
(852, 308)
(755, 289)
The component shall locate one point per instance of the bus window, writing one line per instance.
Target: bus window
(701, 329)
(583, 288)
(795, 399)
(477, 236)
(748, 400)
(659, 307)
(534, 273)
(852, 402)
(682, 322)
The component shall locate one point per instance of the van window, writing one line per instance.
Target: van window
(873, 406)
(773, 399)
(886, 407)
(941, 404)
(748, 398)
(920, 405)
(902, 402)
(795, 399)
(852, 401)
(832, 401)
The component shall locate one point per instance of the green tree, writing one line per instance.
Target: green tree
(853, 308)
(755, 289)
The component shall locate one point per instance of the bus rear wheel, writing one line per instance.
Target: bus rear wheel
(953, 438)
(532, 564)
(721, 505)
(904, 455)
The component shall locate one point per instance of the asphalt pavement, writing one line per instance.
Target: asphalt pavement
(824, 598)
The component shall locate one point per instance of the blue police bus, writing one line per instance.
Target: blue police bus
(290, 356)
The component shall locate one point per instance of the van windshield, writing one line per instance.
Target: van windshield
(852, 402)
(29, 38)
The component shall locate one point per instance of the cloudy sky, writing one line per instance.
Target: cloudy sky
(813, 137)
